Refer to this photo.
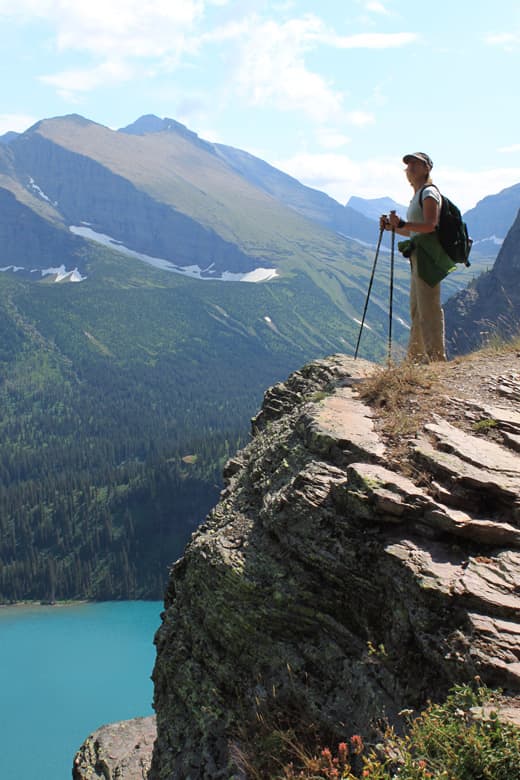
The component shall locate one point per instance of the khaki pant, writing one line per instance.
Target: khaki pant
(427, 332)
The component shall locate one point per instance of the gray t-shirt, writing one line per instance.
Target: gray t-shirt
(415, 213)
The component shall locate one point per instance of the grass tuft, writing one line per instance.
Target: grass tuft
(403, 394)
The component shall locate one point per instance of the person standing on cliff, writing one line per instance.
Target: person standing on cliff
(426, 343)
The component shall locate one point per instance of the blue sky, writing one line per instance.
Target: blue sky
(333, 93)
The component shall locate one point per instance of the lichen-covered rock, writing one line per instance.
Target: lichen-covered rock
(119, 751)
(325, 577)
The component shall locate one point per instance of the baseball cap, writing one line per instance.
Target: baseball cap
(419, 156)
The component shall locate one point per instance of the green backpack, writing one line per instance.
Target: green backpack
(452, 230)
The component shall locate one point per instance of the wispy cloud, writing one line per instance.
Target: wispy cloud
(113, 33)
(16, 122)
(271, 68)
(272, 65)
(372, 40)
(511, 148)
(271, 56)
(376, 8)
(130, 28)
(507, 40)
(70, 83)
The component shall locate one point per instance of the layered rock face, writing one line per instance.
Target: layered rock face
(328, 578)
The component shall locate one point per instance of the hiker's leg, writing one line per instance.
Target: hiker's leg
(431, 318)
(416, 351)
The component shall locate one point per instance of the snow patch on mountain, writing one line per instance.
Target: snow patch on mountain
(492, 239)
(40, 192)
(193, 271)
(61, 274)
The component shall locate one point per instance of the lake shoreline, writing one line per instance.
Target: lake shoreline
(68, 602)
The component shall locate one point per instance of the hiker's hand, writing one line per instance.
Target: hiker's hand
(383, 222)
(394, 221)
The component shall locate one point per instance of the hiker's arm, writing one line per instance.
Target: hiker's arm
(431, 218)
(430, 210)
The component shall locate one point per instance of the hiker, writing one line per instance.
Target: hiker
(426, 342)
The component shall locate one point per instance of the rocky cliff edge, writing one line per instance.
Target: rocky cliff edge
(342, 573)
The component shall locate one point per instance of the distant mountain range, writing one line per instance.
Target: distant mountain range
(374, 207)
(186, 201)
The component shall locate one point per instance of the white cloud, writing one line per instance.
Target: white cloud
(511, 148)
(16, 122)
(97, 25)
(128, 28)
(71, 82)
(113, 33)
(376, 8)
(272, 69)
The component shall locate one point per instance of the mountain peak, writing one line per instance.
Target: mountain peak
(374, 207)
(76, 119)
(150, 123)
(6, 138)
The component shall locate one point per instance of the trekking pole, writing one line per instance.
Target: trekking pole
(369, 290)
(390, 307)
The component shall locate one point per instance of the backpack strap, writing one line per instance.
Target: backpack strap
(422, 190)
(441, 203)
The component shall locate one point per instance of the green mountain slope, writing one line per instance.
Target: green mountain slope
(121, 396)
(183, 173)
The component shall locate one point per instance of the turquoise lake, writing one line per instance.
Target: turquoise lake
(65, 671)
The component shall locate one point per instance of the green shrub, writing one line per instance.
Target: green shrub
(461, 739)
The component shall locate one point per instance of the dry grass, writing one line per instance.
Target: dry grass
(404, 396)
